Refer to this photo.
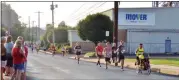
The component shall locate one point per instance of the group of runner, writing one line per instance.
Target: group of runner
(109, 52)
(14, 58)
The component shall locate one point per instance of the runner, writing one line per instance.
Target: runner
(9, 66)
(63, 51)
(53, 49)
(114, 54)
(107, 52)
(78, 51)
(121, 57)
(32, 47)
(3, 57)
(37, 48)
(99, 50)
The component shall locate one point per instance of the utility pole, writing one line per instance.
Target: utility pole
(39, 23)
(52, 8)
(32, 31)
(29, 30)
(115, 31)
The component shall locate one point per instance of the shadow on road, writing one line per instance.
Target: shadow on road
(32, 78)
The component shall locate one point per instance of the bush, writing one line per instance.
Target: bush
(90, 54)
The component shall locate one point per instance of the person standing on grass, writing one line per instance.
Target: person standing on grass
(3, 57)
(18, 60)
(99, 50)
(9, 66)
(108, 53)
(78, 51)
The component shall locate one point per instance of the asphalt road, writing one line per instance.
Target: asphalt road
(44, 66)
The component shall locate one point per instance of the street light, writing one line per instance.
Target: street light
(52, 7)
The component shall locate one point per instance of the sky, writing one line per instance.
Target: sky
(70, 12)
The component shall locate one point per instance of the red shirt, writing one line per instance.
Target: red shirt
(99, 50)
(26, 53)
(17, 56)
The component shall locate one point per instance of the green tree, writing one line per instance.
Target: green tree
(3, 32)
(94, 27)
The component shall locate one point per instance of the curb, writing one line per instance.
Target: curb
(157, 70)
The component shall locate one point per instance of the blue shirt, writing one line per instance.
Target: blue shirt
(8, 47)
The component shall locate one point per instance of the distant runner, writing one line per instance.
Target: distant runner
(78, 51)
(99, 50)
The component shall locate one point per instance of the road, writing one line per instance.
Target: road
(44, 66)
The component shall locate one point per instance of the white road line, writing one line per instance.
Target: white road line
(63, 70)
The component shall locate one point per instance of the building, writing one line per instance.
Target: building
(9, 16)
(156, 28)
(165, 4)
(73, 38)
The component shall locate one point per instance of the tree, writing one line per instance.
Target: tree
(3, 32)
(94, 27)
(62, 24)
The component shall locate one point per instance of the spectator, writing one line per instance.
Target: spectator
(9, 45)
(18, 60)
(25, 51)
(3, 57)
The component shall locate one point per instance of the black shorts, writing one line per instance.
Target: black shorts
(121, 57)
(9, 60)
(3, 58)
(114, 55)
(78, 53)
(99, 56)
(107, 59)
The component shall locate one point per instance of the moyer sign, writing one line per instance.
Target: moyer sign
(127, 18)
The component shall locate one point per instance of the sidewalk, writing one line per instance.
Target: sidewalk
(170, 70)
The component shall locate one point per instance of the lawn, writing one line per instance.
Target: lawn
(168, 61)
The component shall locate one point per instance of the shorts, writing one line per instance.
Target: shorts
(19, 66)
(78, 53)
(114, 55)
(107, 59)
(3, 64)
(99, 56)
(9, 60)
(25, 66)
(138, 61)
(121, 57)
(3, 58)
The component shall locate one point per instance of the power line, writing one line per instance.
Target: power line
(90, 11)
(77, 10)
(87, 9)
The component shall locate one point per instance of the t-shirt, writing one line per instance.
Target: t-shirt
(8, 47)
(18, 58)
(108, 51)
(77, 48)
(99, 50)
(113, 50)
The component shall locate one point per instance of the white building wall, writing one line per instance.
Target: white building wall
(165, 20)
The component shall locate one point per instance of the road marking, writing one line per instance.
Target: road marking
(63, 70)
